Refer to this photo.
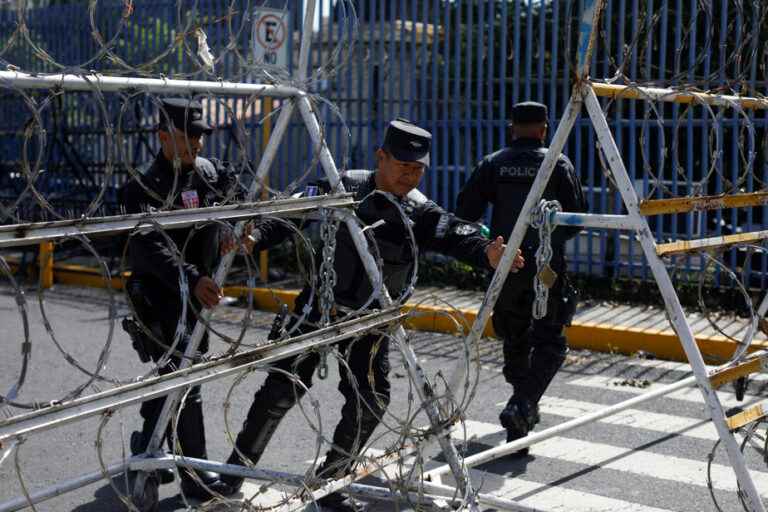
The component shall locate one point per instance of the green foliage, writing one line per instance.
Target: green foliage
(438, 272)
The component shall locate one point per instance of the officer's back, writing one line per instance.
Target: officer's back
(504, 179)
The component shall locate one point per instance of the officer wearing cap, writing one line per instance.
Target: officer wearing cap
(533, 349)
(388, 199)
(178, 178)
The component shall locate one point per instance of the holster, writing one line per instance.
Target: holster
(142, 343)
(139, 339)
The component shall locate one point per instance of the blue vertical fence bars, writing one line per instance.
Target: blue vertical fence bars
(455, 67)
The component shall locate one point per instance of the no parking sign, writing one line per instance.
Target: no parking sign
(270, 36)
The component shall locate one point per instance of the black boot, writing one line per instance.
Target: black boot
(191, 432)
(350, 436)
(270, 405)
(518, 418)
(338, 502)
(333, 467)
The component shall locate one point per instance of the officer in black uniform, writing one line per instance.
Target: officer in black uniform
(534, 350)
(186, 180)
(383, 193)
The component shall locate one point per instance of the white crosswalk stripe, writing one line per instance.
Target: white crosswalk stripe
(632, 418)
(639, 463)
(558, 499)
(692, 394)
(601, 456)
(682, 367)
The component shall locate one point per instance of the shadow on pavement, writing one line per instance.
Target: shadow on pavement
(106, 500)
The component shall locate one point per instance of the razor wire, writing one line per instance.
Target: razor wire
(716, 266)
(124, 119)
(706, 148)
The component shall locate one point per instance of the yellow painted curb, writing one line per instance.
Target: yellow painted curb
(77, 275)
(424, 318)
(581, 335)
(662, 344)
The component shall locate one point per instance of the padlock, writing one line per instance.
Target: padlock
(547, 276)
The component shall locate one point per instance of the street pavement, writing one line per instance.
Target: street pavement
(651, 458)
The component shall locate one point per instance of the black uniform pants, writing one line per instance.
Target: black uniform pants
(534, 350)
(160, 313)
(191, 427)
(364, 385)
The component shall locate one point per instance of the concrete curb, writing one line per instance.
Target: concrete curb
(581, 335)
(600, 337)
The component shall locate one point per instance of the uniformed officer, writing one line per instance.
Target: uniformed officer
(184, 180)
(534, 350)
(383, 194)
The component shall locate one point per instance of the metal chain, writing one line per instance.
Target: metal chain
(328, 228)
(542, 219)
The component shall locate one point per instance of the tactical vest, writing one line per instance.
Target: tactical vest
(394, 243)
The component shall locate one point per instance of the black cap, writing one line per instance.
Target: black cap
(185, 114)
(407, 142)
(528, 112)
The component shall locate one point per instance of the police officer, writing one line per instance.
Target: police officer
(534, 350)
(180, 176)
(383, 194)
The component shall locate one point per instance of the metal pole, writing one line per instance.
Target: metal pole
(591, 220)
(671, 301)
(537, 437)
(45, 264)
(106, 83)
(590, 17)
(306, 40)
(129, 394)
(674, 96)
(266, 132)
(40, 232)
(61, 488)
(421, 384)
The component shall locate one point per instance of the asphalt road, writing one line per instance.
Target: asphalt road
(652, 458)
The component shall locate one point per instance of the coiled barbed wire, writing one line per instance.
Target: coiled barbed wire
(189, 23)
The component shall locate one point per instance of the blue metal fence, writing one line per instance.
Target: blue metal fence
(456, 67)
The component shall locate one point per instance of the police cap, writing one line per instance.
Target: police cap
(185, 114)
(407, 142)
(528, 112)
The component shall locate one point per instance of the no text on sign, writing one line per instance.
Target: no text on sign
(270, 36)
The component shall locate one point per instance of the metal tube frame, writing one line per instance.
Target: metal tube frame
(631, 92)
(591, 220)
(584, 92)
(34, 233)
(57, 415)
(106, 83)
(173, 392)
(416, 373)
(674, 308)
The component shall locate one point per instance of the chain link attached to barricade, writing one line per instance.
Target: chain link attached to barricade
(542, 219)
(327, 275)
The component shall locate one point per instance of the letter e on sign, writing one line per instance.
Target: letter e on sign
(269, 39)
